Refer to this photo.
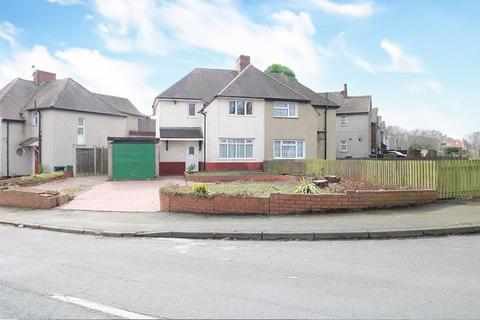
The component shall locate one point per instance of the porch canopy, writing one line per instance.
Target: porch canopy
(181, 134)
(30, 142)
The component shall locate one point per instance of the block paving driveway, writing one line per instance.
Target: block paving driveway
(125, 196)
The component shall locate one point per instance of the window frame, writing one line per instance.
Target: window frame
(286, 106)
(236, 106)
(342, 122)
(194, 110)
(282, 144)
(35, 118)
(82, 126)
(226, 141)
(343, 143)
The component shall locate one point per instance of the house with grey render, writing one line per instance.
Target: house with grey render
(44, 120)
(216, 119)
(360, 129)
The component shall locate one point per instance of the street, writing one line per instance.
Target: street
(54, 275)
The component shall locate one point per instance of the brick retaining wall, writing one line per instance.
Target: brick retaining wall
(285, 203)
(239, 177)
(22, 181)
(31, 199)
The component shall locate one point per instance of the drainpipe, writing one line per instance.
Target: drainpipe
(325, 120)
(39, 133)
(204, 139)
(8, 148)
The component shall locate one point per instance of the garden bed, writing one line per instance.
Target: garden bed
(34, 179)
(232, 176)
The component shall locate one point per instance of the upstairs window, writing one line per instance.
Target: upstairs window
(285, 110)
(240, 108)
(35, 118)
(191, 109)
(81, 131)
(344, 121)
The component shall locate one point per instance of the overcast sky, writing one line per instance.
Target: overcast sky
(418, 59)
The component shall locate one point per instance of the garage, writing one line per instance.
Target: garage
(133, 158)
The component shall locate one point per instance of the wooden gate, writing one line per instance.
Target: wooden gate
(91, 161)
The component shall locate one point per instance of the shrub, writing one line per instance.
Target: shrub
(200, 189)
(40, 168)
(307, 186)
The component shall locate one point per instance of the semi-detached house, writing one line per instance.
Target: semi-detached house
(217, 119)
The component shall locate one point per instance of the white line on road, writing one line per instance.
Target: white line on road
(101, 307)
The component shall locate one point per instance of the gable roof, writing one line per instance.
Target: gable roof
(13, 97)
(316, 99)
(350, 104)
(253, 83)
(200, 84)
(120, 104)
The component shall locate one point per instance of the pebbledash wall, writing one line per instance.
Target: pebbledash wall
(283, 203)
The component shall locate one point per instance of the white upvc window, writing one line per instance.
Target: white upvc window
(35, 118)
(285, 110)
(81, 131)
(240, 108)
(343, 146)
(343, 121)
(289, 149)
(191, 110)
(236, 149)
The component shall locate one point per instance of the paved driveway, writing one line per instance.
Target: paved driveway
(141, 196)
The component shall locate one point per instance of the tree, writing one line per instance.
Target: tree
(278, 68)
(473, 141)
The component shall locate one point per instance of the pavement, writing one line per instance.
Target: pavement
(456, 217)
(122, 196)
(49, 275)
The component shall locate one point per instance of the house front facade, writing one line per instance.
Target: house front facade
(43, 121)
(360, 129)
(217, 119)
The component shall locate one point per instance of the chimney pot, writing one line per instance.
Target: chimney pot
(242, 62)
(40, 77)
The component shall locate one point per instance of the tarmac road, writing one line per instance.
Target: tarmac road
(54, 275)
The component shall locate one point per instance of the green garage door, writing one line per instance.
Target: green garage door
(133, 161)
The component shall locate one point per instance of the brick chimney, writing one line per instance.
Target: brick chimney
(40, 77)
(242, 62)
(344, 91)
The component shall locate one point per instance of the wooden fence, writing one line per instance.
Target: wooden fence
(91, 161)
(451, 178)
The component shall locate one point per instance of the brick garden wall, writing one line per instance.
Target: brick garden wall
(234, 178)
(282, 203)
(31, 199)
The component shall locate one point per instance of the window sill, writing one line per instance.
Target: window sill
(280, 117)
(240, 116)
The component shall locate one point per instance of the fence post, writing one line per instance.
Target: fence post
(74, 161)
(94, 160)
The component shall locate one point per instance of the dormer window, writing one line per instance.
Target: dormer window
(240, 108)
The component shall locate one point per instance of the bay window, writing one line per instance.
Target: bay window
(289, 149)
(236, 149)
(285, 110)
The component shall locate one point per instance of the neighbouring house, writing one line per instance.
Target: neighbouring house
(360, 129)
(217, 119)
(42, 121)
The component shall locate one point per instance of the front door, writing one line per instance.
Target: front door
(191, 160)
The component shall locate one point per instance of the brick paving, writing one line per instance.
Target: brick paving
(122, 196)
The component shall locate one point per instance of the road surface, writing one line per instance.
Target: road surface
(53, 275)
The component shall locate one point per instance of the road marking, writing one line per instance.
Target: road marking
(101, 307)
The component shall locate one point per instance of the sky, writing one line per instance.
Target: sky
(418, 59)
